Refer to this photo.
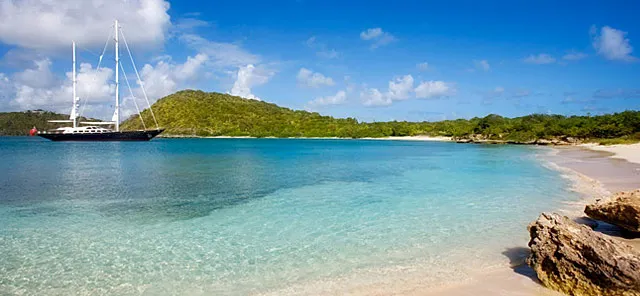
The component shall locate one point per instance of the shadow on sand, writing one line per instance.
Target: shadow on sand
(517, 257)
(606, 228)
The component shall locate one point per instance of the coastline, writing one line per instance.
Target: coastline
(402, 138)
(594, 172)
(629, 152)
(586, 171)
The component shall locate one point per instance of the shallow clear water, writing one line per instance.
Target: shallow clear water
(238, 216)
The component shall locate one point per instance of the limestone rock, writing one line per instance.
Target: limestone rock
(574, 259)
(622, 210)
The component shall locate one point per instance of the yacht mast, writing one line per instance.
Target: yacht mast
(74, 114)
(116, 114)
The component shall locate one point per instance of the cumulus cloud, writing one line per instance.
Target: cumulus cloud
(540, 59)
(165, 76)
(339, 98)
(47, 25)
(433, 90)
(400, 88)
(373, 97)
(482, 65)
(38, 77)
(38, 87)
(248, 77)
(574, 56)
(309, 78)
(26, 91)
(612, 44)
(377, 37)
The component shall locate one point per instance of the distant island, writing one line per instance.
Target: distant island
(195, 113)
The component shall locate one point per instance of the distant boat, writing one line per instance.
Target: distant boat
(93, 130)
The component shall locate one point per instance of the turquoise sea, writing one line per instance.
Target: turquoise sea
(253, 216)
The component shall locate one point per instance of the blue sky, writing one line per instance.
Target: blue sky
(373, 60)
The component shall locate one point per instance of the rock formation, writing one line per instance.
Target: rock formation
(576, 260)
(622, 210)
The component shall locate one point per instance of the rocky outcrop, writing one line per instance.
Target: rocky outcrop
(622, 210)
(574, 259)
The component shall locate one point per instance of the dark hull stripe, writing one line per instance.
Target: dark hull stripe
(113, 136)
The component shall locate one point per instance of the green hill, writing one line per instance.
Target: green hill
(197, 113)
(19, 123)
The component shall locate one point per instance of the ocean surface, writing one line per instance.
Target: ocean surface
(254, 216)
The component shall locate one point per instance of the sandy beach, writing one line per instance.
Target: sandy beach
(630, 153)
(595, 172)
(412, 138)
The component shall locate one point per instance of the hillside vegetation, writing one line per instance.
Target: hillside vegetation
(19, 123)
(197, 113)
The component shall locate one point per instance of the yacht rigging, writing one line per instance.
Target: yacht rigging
(93, 132)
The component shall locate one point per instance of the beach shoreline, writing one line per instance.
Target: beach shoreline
(584, 169)
(399, 138)
(628, 152)
(594, 172)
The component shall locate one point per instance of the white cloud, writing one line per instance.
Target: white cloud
(612, 44)
(221, 55)
(540, 59)
(190, 67)
(574, 56)
(377, 36)
(371, 33)
(39, 88)
(433, 89)
(339, 98)
(423, 66)
(40, 77)
(50, 25)
(482, 65)
(308, 78)
(373, 97)
(400, 88)
(27, 92)
(165, 77)
(249, 76)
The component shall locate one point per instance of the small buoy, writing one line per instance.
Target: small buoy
(33, 131)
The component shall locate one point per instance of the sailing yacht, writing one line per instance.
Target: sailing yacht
(93, 130)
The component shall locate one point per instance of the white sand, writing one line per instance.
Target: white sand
(630, 153)
(412, 138)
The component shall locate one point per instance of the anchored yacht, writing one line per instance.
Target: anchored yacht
(92, 131)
